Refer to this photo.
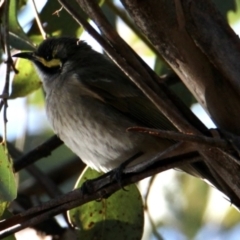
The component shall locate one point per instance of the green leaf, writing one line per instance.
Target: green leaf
(118, 217)
(8, 186)
(19, 43)
(26, 81)
(183, 93)
(159, 67)
(61, 25)
(3, 207)
(225, 6)
(15, 28)
(234, 14)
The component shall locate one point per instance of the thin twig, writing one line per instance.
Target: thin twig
(39, 152)
(47, 183)
(57, 12)
(176, 136)
(154, 227)
(9, 63)
(78, 197)
(72, 166)
(51, 188)
(39, 23)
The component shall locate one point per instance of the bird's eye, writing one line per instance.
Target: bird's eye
(48, 57)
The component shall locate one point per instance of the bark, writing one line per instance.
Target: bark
(201, 48)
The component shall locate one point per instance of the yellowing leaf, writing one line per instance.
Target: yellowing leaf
(118, 217)
(26, 81)
(8, 186)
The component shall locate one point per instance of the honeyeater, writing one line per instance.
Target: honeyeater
(90, 103)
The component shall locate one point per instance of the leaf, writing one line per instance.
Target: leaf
(178, 88)
(183, 93)
(160, 67)
(234, 14)
(118, 217)
(26, 81)
(3, 207)
(225, 6)
(19, 43)
(8, 186)
(14, 26)
(60, 25)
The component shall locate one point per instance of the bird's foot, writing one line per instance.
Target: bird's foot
(118, 173)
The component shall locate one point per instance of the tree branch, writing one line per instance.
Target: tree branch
(40, 151)
(96, 189)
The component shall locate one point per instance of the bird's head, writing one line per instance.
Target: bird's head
(52, 55)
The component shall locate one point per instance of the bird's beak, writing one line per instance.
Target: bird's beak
(34, 58)
(26, 55)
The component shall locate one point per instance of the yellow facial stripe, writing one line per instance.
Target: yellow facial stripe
(52, 63)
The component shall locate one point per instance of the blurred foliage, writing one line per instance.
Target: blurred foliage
(234, 14)
(188, 217)
(194, 210)
(226, 6)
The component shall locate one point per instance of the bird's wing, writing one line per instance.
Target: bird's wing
(119, 92)
(123, 95)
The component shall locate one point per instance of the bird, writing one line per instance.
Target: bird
(90, 104)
